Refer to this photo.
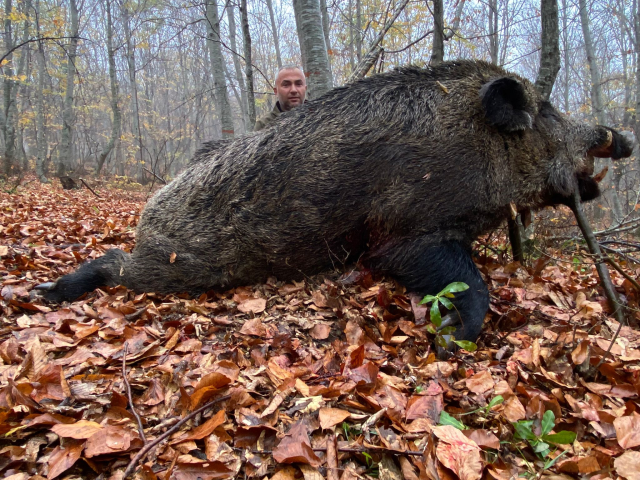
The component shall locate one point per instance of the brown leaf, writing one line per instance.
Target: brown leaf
(320, 331)
(579, 354)
(295, 447)
(254, 327)
(480, 382)
(628, 465)
(81, 430)
(203, 430)
(111, 439)
(425, 406)
(628, 430)
(332, 416)
(458, 453)
(62, 459)
(484, 438)
(513, 409)
(408, 471)
(253, 305)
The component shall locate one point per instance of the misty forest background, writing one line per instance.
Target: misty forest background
(132, 88)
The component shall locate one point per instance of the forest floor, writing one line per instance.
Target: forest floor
(330, 378)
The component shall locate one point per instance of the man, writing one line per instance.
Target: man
(290, 90)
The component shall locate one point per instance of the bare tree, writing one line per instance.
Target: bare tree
(217, 68)
(231, 17)
(246, 35)
(41, 138)
(437, 54)
(274, 29)
(131, 64)
(596, 87)
(8, 125)
(312, 36)
(66, 162)
(116, 122)
(550, 50)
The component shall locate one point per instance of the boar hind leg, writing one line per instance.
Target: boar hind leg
(425, 269)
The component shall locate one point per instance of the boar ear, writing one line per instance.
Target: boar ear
(504, 101)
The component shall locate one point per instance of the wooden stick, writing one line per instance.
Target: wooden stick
(87, 185)
(132, 465)
(159, 178)
(601, 267)
(128, 387)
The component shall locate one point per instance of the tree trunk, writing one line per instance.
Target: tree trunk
(246, 35)
(311, 34)
(358, 30)
(565, 47)
(626, 115)
(18, 156)
(217, 68)
(550, 49)
(437, 55)
(274, 29)
(636, 28)
(66, 163)
(325, 28)
(231, 16)
(131, 64)
(493, 31)
(116, 122)
(596, 88)
(41, 138)
(8, 128)
(352, 61)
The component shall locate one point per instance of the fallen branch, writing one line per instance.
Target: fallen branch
(87, 185)
(601, 267)
(132, 465)
(129, 396)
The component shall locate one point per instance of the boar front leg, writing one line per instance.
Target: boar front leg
(426, 268)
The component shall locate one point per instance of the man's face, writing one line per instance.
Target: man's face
(291, 88)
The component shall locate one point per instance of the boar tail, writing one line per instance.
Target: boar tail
(107, 270)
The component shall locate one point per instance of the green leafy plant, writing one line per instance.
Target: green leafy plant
(373, 469)
(441, 299)
(541, 444)
(446, 419)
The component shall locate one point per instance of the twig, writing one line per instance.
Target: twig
(615, 265)
(128, 386)
(87, 185)
(152, 173)
(347, 450)
(132, 465)
(135, 315)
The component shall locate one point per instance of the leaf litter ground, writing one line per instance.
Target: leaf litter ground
(325, 378)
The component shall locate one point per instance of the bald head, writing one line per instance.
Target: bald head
(291, 87)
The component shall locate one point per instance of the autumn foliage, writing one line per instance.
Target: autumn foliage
(328, 378)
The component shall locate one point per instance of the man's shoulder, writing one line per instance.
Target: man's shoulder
(265, 120)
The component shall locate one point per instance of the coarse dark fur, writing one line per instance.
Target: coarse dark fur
(402, 170)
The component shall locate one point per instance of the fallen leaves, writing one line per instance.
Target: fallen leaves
(320, 378)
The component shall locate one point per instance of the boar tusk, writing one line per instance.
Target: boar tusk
(514, 210)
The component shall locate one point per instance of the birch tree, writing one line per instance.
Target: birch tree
(41, 138)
